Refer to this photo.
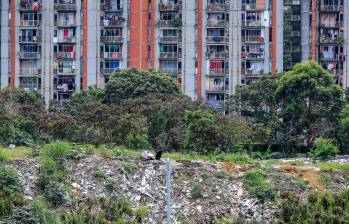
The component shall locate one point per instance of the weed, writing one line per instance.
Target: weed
(98, 174)
(329, 167)
(5, 155)
(205, 176)
(110, 185)
(129, 167)
(196, 191)
(142, 211)
(221, 174)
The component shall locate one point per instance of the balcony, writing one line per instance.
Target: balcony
(108, 71)
(30, 71)
(65, 23)
(170, 39)
(292, 17)
(170, 7)
(329, 56)
(65, 7)
(30, 86)
(330, 8)
(252, 39)
(218, 72)
(217, 55)
(177, 22)
(292, 33)
(64, 71)
(64, 55)
(170, 55)
(64, 87)
(249, 7)
(170, 72)
(251, 23)
(217, 88)
(324, 39)
(214, 7)
(249, 72)
(218, 23)
(30, 23)
(29, 55)
(331, 24)
(112, 23)
(30, 39)
(252, 55)
(111, 7)
(111, 39)
(27, 5)
(217, 39)
(66, 40)
(111, 55)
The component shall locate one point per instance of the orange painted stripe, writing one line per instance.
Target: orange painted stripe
(152, 31)
(138, 34)
(313, 31)
(273, 44)
(199, 62)
(13, 44)
(84, 46)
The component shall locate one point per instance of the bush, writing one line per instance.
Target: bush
(196, 191)
(323, 149)
(255, 182)
(319, 208)
(10, 180)
(55, 193)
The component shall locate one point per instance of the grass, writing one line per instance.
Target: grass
(236, 158)
(17, 153)
(329, 167)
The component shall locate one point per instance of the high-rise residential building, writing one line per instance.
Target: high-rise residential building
(58, 47)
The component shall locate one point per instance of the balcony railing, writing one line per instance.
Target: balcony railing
(327, 24)
(330, 8)
(253, 56)
(66, 40)
(170, 72)
(217, 7)
(170, 7)
(248, 7)
(111, 7)
(29, 55)
(217, 88)
(26, 5)
(108, 71)
(292, 17)
(30, 39)
(251, 22)
(170, 23)
(292, 33)
(217, 55)
(65, 7)
(329, 40)
(111, 55)
(218, 23)
(111, 39)
(218, 72)
(112, 23)
(65, 55)
(170, 55)
(170, 39)
(65, 23)
(30, 71)
(252, 39)
(30, 22)
(217, 39)
(64, 71)
(250, 72)
(65, 87)
(30, 87)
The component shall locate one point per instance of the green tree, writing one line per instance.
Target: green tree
(133, 83)
(343, 129)
(310, 102)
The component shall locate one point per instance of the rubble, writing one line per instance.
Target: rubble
(143, 182)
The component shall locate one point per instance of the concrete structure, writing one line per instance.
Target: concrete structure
(208, 46)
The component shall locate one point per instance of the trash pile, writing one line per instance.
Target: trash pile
(202, 192)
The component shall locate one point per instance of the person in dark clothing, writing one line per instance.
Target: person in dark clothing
(159, 153)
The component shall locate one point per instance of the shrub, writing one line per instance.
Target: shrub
(98, 174)
(57, 151)
(10, 180)
(196, 191)
(324, 149)
(255, 182)
(55, 194)
(5, 155)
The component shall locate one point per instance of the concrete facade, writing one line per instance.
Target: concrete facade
(209, 47)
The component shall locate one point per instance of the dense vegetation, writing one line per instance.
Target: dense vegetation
(144, 109)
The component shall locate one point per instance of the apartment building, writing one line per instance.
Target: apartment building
(208, 46)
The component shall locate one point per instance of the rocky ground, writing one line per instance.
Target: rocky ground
(221, 192)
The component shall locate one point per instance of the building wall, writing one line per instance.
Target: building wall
(136, 29)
